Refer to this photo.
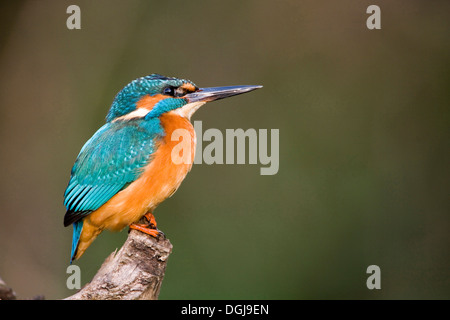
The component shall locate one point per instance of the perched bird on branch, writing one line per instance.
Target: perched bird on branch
(137, 159)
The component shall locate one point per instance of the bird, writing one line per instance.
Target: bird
(124, 171)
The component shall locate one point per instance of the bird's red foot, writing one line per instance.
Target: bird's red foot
(145, 229)
(151, 219)
(149, 228)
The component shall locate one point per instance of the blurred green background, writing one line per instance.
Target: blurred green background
(364, 139)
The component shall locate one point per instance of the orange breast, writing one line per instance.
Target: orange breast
(160, 179)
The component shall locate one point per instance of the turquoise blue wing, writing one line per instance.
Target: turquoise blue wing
(112, 159)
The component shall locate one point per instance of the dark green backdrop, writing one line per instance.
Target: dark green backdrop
(364, 138)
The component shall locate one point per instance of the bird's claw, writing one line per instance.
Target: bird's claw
(161, 235)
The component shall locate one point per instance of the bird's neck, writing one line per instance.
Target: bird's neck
(179, 134)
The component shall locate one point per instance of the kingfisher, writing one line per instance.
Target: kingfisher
(126, 169)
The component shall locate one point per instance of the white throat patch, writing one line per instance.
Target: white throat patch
(188, 110)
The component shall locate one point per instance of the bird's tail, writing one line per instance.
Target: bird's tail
(77, 228)
(83, 234)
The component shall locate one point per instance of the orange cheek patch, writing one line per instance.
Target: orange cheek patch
(188, 87)
(148, 102)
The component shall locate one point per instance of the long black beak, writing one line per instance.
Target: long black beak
(216, 93)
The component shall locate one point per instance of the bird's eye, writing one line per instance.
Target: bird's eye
(169, 91)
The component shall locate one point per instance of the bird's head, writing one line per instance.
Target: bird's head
(153, 95)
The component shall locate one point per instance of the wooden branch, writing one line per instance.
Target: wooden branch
(6, 293)
(135, 272)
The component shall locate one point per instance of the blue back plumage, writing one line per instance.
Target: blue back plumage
(112, 159)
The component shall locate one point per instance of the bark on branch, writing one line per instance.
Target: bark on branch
(6, 293)
(135, 272)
